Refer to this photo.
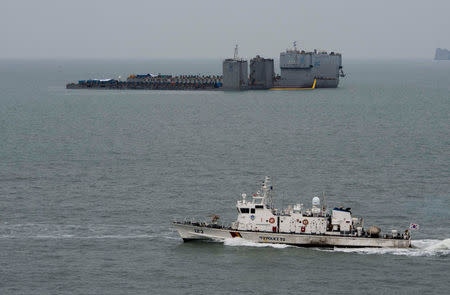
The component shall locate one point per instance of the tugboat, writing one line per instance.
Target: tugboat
(258, 221)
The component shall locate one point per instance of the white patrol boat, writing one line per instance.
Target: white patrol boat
(259, 222)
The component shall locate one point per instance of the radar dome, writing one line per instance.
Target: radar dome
(316, 201)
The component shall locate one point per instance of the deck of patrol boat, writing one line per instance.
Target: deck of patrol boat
(196, 232)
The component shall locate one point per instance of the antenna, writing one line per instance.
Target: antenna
(236, 48)
(295, 45)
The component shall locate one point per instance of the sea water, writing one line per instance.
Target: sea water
(90, 180)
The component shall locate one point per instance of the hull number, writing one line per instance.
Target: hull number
(267, 239)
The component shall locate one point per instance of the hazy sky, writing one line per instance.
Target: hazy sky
(196, 29)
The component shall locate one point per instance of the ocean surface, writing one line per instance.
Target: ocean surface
(90, 180)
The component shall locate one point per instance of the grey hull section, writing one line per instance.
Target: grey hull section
(190, 232)
(327, 83)
(299, 69)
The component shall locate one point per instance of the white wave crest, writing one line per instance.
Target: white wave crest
(246, 243)
(419, 248)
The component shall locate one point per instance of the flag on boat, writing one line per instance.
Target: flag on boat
(413, 226)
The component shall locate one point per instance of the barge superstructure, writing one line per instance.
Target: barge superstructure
(299, 69)
(258, 221)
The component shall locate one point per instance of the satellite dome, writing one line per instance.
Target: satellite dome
(316, 201)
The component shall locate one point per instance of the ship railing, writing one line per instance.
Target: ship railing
(193, 221)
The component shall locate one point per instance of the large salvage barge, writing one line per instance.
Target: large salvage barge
(299, 69)
(258, 221)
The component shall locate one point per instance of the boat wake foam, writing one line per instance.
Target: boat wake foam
(419, 248)
(87, 231)
(246, 243)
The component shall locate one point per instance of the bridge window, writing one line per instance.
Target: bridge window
(252, 210)
(259, 206)
(245, 210)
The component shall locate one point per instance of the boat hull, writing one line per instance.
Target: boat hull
(189, 232)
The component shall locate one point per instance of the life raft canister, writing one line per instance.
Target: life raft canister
(272, 220)
(305, 221)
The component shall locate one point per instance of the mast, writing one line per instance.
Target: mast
(236, 51)
(266, 189)
(324, 204)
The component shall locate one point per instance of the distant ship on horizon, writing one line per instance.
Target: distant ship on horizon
(442, 54)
